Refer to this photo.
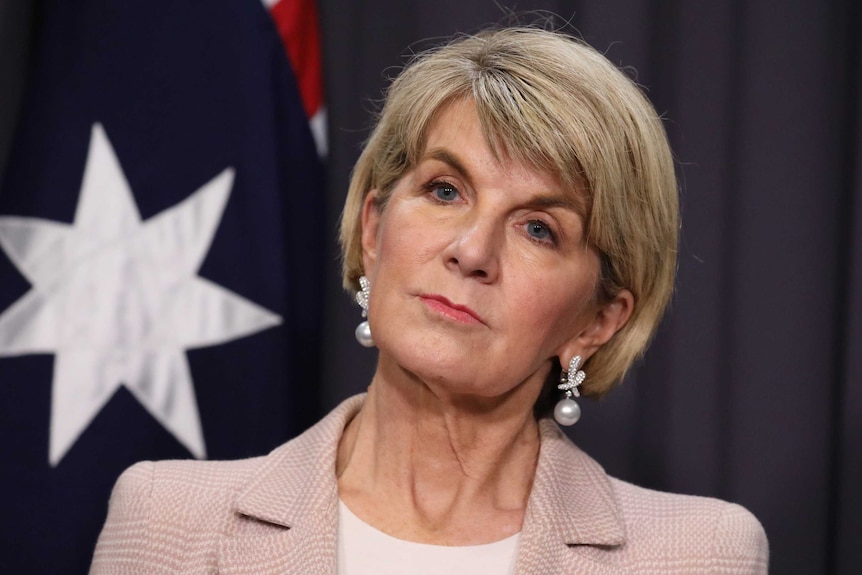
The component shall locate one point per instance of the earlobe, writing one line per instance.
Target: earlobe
(370, 221)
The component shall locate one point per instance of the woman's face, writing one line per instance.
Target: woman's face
(479, 271)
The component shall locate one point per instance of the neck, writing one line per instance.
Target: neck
(429, 466)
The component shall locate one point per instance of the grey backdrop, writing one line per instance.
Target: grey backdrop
(751, 391)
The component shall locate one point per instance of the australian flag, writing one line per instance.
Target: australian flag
(161, 254)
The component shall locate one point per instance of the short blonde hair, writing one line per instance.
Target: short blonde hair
(557, 105)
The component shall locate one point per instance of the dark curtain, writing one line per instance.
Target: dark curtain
(752, 391)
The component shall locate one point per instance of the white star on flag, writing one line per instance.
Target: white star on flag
(118, 300)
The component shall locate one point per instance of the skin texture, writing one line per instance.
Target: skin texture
(480, 279)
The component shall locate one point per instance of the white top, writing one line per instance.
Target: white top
(364, 550)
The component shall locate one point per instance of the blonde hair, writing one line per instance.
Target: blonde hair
(557, 105)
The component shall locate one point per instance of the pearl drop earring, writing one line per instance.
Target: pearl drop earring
(567, 411)
(363, 330)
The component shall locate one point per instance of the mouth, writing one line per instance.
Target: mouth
(443, 306)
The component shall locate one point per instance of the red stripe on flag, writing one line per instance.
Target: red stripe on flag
(297, 25)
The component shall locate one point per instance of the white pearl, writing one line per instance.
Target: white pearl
(567, 411)
(363, 334)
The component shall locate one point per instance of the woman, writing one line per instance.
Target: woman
(514, 211)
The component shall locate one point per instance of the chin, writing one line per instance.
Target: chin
(447, 361)
(455, 377)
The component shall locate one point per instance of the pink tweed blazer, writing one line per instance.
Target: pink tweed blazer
(278, 514)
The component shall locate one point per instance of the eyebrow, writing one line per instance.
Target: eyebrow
(571, 202)
(447, 157)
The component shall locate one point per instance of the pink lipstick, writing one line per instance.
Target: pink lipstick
(460, 313)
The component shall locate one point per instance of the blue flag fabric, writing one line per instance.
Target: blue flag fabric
(161, 260)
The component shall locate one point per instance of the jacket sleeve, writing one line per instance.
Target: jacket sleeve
(122, 547)
(740, 545)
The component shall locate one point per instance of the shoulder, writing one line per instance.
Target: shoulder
(692, 533)
(171, 516)
(172, 487)
(170, 512)
(637, 529)
(188, 474)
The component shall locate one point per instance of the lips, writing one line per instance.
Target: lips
(457, 312)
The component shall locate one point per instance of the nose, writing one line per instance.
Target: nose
(475, 248)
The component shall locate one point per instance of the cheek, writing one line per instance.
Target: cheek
(546, 310)
(555, 313)
(402, 242)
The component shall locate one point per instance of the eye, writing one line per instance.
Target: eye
(444, 192)
(539, 231)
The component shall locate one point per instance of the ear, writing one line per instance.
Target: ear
(609, 318)
(370, 221)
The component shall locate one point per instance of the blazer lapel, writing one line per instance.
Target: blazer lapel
(287, 517)
(572, 524)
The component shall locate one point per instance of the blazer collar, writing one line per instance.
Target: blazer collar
(289, 510)
(572, 493)
(299, 476)
(572, 523)
(571, 503)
